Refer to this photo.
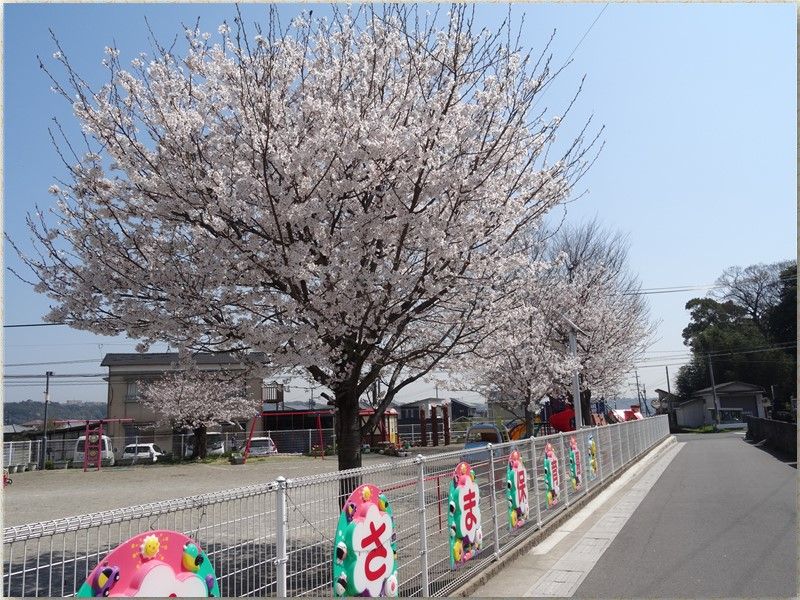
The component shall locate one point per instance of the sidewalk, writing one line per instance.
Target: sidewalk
(557, 566)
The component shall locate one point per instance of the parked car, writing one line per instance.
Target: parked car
(262, 446)
(478, 436)
(142, 453)
(106, 451)
(215, 445)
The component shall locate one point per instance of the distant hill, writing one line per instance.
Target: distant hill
(15, 413)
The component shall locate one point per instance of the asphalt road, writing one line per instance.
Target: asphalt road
(721, 521)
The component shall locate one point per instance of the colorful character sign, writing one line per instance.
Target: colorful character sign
(464, 515)
(365, 547)
(517, 494)
(575, 468)
(551, 477)
(156, 564)
(592, 458)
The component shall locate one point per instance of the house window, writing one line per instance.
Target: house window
(132, 393)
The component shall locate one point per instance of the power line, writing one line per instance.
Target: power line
(33, 325)
(71, 344)
(42, 376)
(54, 383)
(675, 354)
(600, 14)
(60, 362)
(687, 288)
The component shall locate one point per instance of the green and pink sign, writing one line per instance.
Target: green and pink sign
(464, 515)
(365, 546)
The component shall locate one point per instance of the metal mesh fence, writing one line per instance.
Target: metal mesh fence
(277, 539)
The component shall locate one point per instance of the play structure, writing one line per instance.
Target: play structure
(385, 430)
(93, 440)
(516, 428)
(315, 414)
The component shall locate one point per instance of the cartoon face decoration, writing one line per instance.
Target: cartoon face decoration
(575, 471)
(516, 491)
(592, 458)
(153, 564)
(464, 516)
(365, 546)
(551, 477)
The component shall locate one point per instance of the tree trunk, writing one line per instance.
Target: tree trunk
(528, 421)
(200, 446)
(348, 440)
(586, 406)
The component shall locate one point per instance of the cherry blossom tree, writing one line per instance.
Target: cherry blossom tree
(520, 363)
(576, 275)
(339, 194)
(602, 297)
(189, 398)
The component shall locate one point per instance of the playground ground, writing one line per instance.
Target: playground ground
(43, 495)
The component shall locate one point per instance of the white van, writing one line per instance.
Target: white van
(106, 451)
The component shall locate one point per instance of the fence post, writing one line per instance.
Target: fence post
(135, 450)
(565, 469)
(493, 499)
(610, 447)
(423, 527)
(309, 441)
(536, 484)
(639, 437)
(627, 430)
(281, 558)
(586, 458)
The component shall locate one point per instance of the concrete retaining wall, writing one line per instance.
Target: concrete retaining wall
(779, 434)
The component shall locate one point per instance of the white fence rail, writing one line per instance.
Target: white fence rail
(276, 539)
(21, 455)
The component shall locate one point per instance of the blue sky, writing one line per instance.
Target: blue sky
(698, 101)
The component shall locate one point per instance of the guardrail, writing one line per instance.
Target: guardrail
(276, 539)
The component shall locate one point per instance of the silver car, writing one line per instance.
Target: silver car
(262, 446)
(142, 453)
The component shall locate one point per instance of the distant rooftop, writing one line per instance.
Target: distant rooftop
(432, 400)
(724, 386)
(8, 429)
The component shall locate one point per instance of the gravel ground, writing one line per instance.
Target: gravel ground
(44, 495)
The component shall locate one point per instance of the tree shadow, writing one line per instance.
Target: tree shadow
(783, 456)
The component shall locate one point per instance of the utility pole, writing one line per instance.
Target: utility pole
(714, 389)
(576, 386)
(670, 408)
(48, 374)
(774, 406)
(638, 392)
(644, 399)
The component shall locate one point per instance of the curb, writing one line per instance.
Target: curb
(493, 568)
